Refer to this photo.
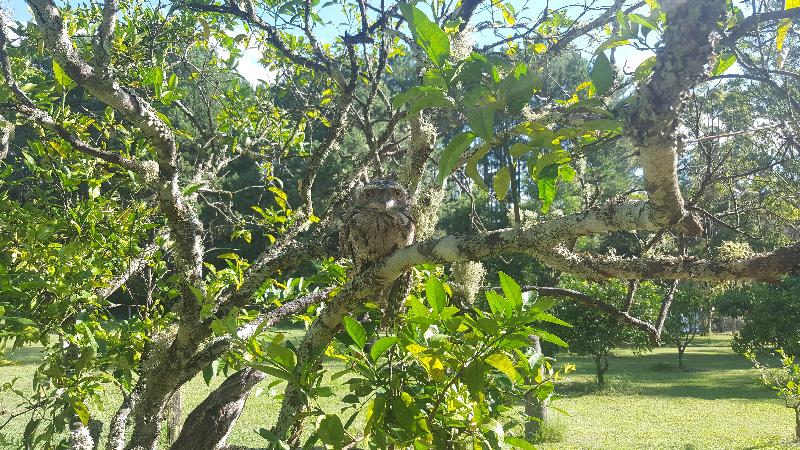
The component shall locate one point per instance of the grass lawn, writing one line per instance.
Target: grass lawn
(716, 403)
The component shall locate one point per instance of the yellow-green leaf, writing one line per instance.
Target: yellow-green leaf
(61, 77)
(504, 364)
(783, 31)
(356, 331)
(502, 182)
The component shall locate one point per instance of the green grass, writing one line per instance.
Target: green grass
(716, 403)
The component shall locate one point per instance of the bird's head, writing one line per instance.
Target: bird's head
(382, 195)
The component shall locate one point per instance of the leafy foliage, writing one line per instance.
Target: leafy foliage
(442, 377)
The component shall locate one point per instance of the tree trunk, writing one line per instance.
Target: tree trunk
(601, 363)
(681, 351)
(80, 437)
(155, 387)
(535, 407)
(174, 414)
(208, 425)
(797, 422)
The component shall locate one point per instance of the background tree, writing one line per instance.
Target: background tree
(784, 380)
(596, 334)
(685, 319)
(773, 319)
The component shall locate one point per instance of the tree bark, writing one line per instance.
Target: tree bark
(601, 364)
(174, 416)
(681, 351)
(797, 421)
(534, 406)
(208, 425)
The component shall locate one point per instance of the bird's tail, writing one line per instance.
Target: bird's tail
(395, 298)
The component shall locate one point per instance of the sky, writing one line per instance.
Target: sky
(627, 57)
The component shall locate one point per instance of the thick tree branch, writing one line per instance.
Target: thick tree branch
(652, 124)
(762, 267)
(208, 425)
(105, 35)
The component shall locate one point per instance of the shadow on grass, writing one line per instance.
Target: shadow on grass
(710, 372)
(775, 443)
(23, 356)
(614, 385)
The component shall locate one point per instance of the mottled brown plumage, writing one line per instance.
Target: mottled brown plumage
(379, 223)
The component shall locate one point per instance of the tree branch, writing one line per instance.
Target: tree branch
(652, 124)
(273, 35)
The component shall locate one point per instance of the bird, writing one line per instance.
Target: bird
(379, 223)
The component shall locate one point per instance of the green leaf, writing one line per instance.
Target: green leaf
(331, 431)
(602, 74)
(381, 345)
(60, 76)
(504, 364)
(455, 148)
(2, 311)
(519, 443)
(422, 97)
(356, 331)
(543, 304)
(498, 304)
(502, 182)
(471, 168)
(602, 125)
(644, 69)
(430, 99)
(481, 120)
(276, 372)
(208, 374)
(434, 292)
(519, 149)
(558, 157)
(518, 87)
(192, 188)
(613, 41)
(198, 294)
(512, 291)
(544, 317)
(724, 62)
(283, 356)
(566, 172)
(272, 438)
(82, 412)
(433, 40)
(474, 378)
(546, 184)
(374, 414)
(549, 337)
(641, 20)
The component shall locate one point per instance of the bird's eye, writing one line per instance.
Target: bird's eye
(398, 193)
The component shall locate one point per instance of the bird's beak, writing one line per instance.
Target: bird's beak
(389, 204)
